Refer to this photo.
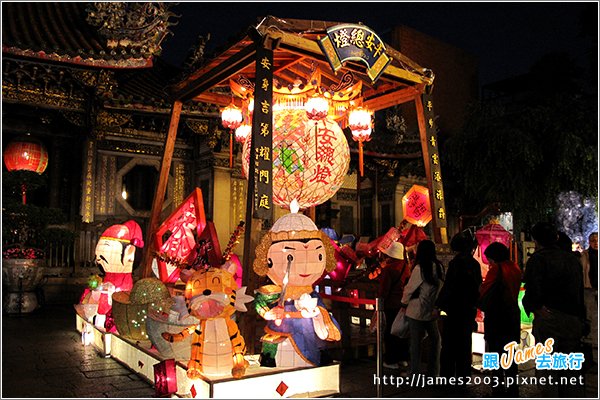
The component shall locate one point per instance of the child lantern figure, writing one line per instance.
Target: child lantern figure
(115, 254)
(294, 255)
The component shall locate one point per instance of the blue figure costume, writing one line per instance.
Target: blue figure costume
(298, 329)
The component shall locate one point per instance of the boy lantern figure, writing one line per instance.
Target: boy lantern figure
(294, 255)
(115, 254)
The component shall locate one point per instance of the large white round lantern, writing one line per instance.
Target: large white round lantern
(306, 167)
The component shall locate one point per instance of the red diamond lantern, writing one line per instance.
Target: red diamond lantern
(282, 388)
(26, 154)
(416, 206)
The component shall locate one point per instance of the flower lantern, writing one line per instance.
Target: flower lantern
(359, 121)
(242, 132)
(302, 170)
(26, 154)
(231, 117)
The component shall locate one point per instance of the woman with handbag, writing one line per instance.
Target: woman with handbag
(394, 275)
(499, 302)
(420, 295)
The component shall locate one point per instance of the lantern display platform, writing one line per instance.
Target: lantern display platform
(258, 382)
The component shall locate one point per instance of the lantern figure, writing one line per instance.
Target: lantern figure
(242, 132)
(300, 170)
(359, 121)
(416, 206)
(25, 154)
(294, 254)
(231, 117)
(490, 233)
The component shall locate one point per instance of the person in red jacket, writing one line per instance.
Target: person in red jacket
(394, 275)
(502, 322)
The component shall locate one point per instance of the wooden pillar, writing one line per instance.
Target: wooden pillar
(429, 148)
(437, 236)
(161, 188)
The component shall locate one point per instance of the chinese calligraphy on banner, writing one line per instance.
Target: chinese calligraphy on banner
(439, 208)
(355, 42)
(261, 169)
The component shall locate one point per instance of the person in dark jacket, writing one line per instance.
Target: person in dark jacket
(458, 299)
(502, 320)
(394, 275)
(554, 293)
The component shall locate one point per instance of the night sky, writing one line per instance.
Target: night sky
(507, 38)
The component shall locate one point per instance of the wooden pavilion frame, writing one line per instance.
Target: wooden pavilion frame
(296, 52)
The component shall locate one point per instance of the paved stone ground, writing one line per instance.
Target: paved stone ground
(42, 356)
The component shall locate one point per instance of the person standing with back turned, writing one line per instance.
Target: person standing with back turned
(554, 293)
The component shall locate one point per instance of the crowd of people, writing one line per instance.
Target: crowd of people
(560, 291)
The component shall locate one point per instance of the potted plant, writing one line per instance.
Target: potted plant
(23, 232)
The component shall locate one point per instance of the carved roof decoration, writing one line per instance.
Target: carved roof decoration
(103, 34)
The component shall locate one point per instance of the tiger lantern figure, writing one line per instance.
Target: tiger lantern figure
(294, 254)
(218, 348)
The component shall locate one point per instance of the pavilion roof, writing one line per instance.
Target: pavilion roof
(108, 35)
(296, 54)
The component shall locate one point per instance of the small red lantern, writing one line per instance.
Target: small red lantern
(490, 233)
(165, 378)
(26, 154)
(359, 121)
(231, 117)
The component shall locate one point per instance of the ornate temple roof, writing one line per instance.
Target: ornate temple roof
(109, 35)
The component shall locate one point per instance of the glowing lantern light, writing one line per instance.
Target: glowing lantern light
(359, 121)
(25, 154)
(165, 378)
(242, 132)
(300, 170)
(231, 117)
(490, 233)
(416, 206)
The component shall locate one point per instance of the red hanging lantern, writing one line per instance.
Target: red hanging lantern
(231, 117)
(359, 121)
(26, 154)
(416, 206)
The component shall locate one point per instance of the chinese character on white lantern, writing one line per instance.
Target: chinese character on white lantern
(307, 167)
(359, 121)
(231, 117)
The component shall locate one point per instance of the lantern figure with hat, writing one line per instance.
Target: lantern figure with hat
(294, 254)
(115, 255)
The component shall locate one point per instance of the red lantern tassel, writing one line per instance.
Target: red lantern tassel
(360, 158)
(231, 148)
(24, 193)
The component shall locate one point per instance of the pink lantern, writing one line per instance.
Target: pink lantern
(317, 108)
(359, 121)
(304, 170)
(491, 233)
(185, 225)
(231, 117)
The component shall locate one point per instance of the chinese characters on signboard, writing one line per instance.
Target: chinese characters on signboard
(261, 161)
(355, 42)
(439, 211)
